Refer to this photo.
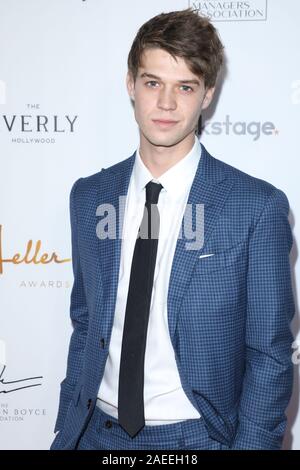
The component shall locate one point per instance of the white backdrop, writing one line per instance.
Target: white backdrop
(65, 113)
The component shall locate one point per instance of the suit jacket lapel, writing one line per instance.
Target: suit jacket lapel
(210, 187)
(114, 186)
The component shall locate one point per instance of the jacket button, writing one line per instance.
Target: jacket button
(108, 424)
(102, 343)
(89, 402)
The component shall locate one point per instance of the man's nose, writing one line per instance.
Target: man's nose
(166, 100)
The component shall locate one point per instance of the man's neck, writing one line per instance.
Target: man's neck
(159, 159)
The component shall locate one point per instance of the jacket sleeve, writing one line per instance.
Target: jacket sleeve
(79, 318)
(268, 379)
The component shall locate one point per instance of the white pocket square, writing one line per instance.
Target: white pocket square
(205, 256)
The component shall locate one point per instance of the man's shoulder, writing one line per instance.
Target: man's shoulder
(245, 183)
(240, 177)
(102, 177)
(248, 189)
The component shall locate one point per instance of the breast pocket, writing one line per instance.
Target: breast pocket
(221, 260)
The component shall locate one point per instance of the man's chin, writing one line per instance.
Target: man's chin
(166, 141)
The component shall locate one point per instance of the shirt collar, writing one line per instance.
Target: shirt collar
(176, 179)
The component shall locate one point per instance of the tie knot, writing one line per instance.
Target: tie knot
(152, 192)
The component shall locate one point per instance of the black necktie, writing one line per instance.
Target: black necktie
(131, 377)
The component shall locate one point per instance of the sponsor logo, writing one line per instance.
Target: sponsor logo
(32, 255)
(251, 10)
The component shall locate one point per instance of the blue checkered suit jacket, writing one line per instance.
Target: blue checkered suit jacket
(229, 314)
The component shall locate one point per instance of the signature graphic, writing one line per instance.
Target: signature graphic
(10, 385)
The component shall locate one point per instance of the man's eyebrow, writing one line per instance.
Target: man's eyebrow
(151, 75)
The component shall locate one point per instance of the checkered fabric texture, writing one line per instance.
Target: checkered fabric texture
(229, 314)
(105, 433)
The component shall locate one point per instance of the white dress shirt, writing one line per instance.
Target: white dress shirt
(164, 399)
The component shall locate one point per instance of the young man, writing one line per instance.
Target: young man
(182, 317)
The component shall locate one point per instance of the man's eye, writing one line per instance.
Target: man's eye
(153, 83)
(187, 88)
(149, 84)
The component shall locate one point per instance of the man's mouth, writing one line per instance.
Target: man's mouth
(164, 122)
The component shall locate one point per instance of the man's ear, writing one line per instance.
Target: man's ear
(208, 97)
(130, 84)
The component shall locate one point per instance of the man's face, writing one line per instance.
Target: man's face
(166, 90)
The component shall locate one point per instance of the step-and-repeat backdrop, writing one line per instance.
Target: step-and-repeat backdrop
(65, 113)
